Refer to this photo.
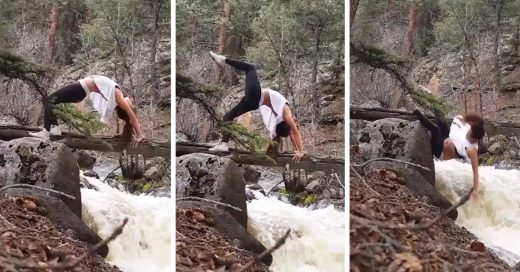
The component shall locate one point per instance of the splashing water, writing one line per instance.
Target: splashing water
(317, 240)
(495, 217)
(145, 243)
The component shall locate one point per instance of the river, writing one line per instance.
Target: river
(495, 217)
(145, 243)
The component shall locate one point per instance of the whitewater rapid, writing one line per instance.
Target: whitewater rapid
(495, 217)
(145, 243)
(317, 241)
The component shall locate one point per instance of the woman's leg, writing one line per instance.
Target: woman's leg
(253, 89)
(436, 141)
(236, 111)
(72, 93)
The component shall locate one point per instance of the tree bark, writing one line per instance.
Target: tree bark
(148, 148)
(491, 127)
(156, 6)
(53, 30)
(497, 84)
(222, 38)
(354, 4)
(309, 163)
(412, 25)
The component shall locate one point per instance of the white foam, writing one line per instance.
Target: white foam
(317, 241)
(495, 218)
(145, 244)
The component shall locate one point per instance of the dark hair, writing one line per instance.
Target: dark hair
(477, 124)
(128, 128)
(282, 129)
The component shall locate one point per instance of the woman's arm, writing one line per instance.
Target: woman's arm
(473, 155)
(121, 102)
(295, 135)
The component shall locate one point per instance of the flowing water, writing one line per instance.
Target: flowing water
(145, 244)
(317, 241)
(495, 217)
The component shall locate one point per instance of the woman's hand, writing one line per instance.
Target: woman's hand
(298, 155)
(136, 139)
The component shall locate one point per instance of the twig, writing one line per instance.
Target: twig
(70, 263)
(392, 160)
(208, 200)
(274, 187)
(36, 187)
(338, 180)
(461, 202)
(103, 181)
(363, 180)
(277, 245)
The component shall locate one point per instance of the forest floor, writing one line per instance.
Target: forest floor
(200, 247)
(381, 207)
(28, 239)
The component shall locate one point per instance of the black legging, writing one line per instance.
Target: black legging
(439, 132)
(253, 91)
(72, 93)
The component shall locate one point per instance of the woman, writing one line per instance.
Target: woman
(106, 97)
(274, 108)
(460, 141)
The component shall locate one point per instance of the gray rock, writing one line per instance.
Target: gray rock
(51, 165)
(59, 214)
(228, 227)
(85, 159)
(251, 175)
(417, 184)
(152, 173)
(90, 173)
(494, 148)
(214, 178)
(313, 186)
(395, 138)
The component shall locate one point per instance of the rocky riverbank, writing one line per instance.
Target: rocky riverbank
(381, 200)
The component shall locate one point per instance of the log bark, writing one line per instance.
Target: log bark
(147, 148)
(309, 163)
(508, 129)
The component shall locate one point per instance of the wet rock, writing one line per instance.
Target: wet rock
(85, 159)
(228, 227)
(253, 187)
(152, 173)
(46, 164)
(251, 175)
(395, 138)
(417, 184)
(494, 148)
(59, 214)
(212, 177)
(516, 268)
(313, 186)
(161, 192)
(90, 173)
(85, 184)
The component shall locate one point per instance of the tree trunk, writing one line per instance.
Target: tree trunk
(53, 30)
(497, 84)
(317, 40)
(354, 4)
(412, 24)
(153, 49)
(148, 147)
(222, 38)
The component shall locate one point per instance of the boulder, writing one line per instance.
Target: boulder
(417, 184)
(59, 214)
(212, 177)
(397, 139)
(251, 175)
(228, 227)
(46, 164)
(84, 158)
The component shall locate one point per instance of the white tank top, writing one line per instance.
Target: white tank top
(458, 134)
(273, 115)
(103, 102)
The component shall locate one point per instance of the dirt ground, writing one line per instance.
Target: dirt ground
(28, 239)
(199, 247)
(380, 210)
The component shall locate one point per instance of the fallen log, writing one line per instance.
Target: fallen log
(310, 163)
(147, 148)
(372, 114)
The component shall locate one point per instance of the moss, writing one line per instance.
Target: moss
(309, 199)
(147, 187)
(491, 160)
